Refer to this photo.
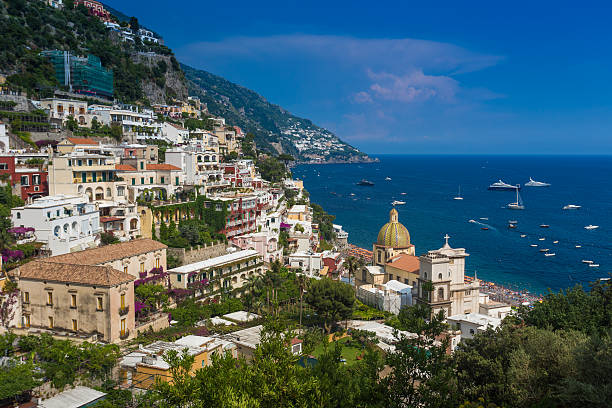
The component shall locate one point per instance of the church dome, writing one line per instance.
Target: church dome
(393, 234)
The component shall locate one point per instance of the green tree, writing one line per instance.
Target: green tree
(71, 123)
(134, 25)
(17, 378)
(153, 295)
(332, 300)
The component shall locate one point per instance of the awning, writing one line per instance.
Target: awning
(111, 219)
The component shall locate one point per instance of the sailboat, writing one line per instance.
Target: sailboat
(518, 205)
(458, 195)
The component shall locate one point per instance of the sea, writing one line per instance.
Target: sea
(498, 254)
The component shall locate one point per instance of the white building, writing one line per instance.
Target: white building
(63, 223)
(311, 263)
(471, 324)
(175, 134)
(4, 140)
(389, 297)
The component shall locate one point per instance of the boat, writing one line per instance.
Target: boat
(544, 250)
(533, 183)
(472, 221)
(550, 254)
(458, 197)
(578, 246)
(586, 261)
(555, 242)
(387, 178)
(541, 239)
(352, 194)
(364, 182)
(484, 228)
(523, 235)
(396, 202)
(544, 226)
(512, 222)
(591, 227)
(484, 218)
(518, 204)
(500, 185)
(403, 193)
(511, 225)
(594, 265)
(534, 245)
(572, 207)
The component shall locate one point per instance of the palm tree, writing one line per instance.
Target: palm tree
(302, 282)
(353, 265)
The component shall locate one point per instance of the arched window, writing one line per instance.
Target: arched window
(18, 215)
(440, 276)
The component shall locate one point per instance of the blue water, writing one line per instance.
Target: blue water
(499, 254)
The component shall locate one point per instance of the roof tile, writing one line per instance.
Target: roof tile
(109, 253)
(71, 273)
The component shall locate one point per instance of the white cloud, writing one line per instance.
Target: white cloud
(413, 87)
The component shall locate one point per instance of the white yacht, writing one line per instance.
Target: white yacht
(550, 254)
(458, 197)
(594, 265)
(472, 221)
(397, 202)
(533, 183)
(500, 185)
(587, 261)
(591, 227)
(572, 207)
(534, 245)
(541, 239)
(387, 178)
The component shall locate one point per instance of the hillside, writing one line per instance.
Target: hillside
(149, 74)
(273, 127)
(28, 27)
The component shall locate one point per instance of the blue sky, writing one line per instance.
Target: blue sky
(401, 77)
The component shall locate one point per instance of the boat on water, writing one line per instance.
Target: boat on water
(364, 182)
(555, 242)
(352, 194)
(594, 265)
(523, 235)
(534, 245)
(485, 228)
(550, 254)
(578, 246)
(512, 222)
(500, 185)
(511, 225)
(533, 183)
(572, 207)
(458, 197)
(544, 226)
(403, 193)
(518, 204)
(387, 178)
(587, 261)
(484, 218)
(591, 227)
(541, 239)
(544, 250)
(396, 202)
(472, 221)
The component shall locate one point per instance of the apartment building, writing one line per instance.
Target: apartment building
(242, 213)
(28, 174)
(214, 276)
(62, 223)
(60, 109)
(160, 179)
(69, 298)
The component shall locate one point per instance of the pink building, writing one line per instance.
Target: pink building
(266, 245)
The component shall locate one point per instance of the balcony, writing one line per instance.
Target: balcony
(124, 310)
(124, 334)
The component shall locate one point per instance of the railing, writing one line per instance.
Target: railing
(124, 310)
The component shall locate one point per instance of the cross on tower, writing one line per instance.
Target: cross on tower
(446, 237)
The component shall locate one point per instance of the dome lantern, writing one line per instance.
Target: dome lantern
(394, 234)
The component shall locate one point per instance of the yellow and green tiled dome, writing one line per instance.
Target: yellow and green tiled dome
(393, 234)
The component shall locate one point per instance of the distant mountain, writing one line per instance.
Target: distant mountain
(275, 129)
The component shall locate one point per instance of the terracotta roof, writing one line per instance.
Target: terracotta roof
(124, 167)
(109, 253)
(405, 262)
(81, 141)
(161, 166)
(179, 127)
(81, 274)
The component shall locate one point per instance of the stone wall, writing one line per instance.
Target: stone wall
(156, 323)
(199, 253)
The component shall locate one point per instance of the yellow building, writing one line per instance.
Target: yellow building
(146, 366)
